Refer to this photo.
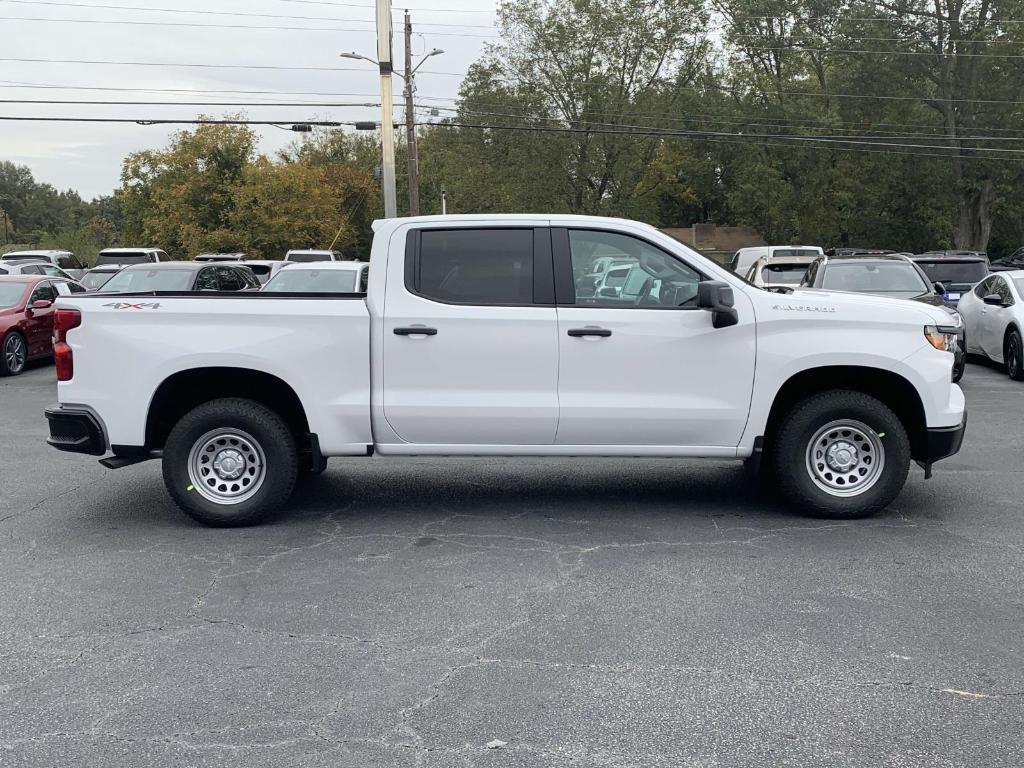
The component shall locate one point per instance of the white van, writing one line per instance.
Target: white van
(744, 258)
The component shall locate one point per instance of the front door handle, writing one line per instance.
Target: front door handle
(416, 330)
(578, 333)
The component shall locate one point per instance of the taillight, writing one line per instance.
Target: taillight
(63, 357)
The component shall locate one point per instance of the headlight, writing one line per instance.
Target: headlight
(942, 337)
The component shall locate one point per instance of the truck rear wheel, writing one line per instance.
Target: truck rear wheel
(230, 462)
(841, 455)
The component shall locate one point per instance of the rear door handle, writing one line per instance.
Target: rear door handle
(416, 330)
(578, 333)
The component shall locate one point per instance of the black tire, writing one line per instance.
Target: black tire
(792, 460)
(1014, 356)
(13, 354)
(263, 441)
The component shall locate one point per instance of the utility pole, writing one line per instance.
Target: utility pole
(387, 124)
(410, 125)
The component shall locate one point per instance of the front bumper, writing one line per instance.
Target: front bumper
(76, 431)
(943, 442)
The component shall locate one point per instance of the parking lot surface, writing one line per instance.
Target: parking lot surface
(585, 613)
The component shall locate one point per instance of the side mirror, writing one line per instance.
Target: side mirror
(940, 289)
(716, 297)
(41, 304)
(993, 300)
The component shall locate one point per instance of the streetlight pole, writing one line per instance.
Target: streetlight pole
(387, 125)
(410, 125)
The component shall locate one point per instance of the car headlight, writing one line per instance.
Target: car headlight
(942, 337)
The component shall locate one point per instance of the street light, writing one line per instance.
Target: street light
(387, 141)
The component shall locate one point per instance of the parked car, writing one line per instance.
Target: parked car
(264, 269)
(321, 277)
(126, 256)
(745, 257)
(307, 255)
(958, 271)
(1014, 260)
(776, 271)
(64, 260)
(994, 315)
(13, 267)
(182, 276)
(220, 257)
(26, 319)
(97, 277)
(891, 275)
(472, 341)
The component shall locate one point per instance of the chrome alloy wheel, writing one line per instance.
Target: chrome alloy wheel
(15, 353)
(226, 466)
(845, 458)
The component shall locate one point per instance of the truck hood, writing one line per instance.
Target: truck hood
(865, 302)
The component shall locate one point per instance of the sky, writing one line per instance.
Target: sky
(86, 157)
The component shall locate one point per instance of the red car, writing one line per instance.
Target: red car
(26, 319)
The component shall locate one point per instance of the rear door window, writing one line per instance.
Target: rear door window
(474, 266)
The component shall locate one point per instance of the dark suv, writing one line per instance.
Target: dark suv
(958, 271)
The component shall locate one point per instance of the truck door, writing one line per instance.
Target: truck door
(646, 367)
(470, 346)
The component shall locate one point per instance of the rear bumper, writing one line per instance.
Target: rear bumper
(76, 431)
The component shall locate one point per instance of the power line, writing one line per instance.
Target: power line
(744, 136)
(753, 139)
(799, 20)
(193, 25)
(804, 49)
(239, 14)
(212, 66)
(192, 103)
(367, 7)
(195, 121)
(682, 118)
(845, 37)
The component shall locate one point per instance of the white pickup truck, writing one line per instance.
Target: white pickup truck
(473, 339)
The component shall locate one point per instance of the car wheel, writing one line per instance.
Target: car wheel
(230, 462)
(841, 455)
(1014, 356)
(13, 354)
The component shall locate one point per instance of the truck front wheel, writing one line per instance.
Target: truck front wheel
(230, 462)
(841, 455)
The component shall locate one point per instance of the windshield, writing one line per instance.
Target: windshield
(967, 272)
(10, 294)
(887, 278)
(94, 280)
(126, 257)
(305, 258)
(314, 281)
(150, 280)
(783, 274)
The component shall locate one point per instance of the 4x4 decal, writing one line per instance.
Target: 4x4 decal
(130, 305)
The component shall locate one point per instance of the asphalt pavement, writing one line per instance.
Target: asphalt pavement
(567, 612)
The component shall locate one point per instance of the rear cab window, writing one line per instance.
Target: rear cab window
(490, 266)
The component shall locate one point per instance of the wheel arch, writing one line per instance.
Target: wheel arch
(184, 390)
(1010, 328)
(891, 388)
